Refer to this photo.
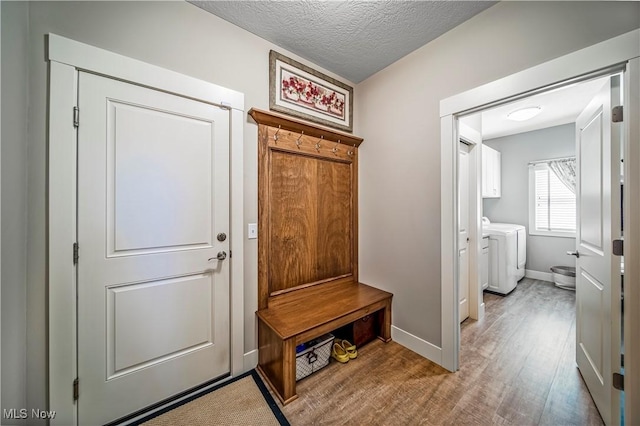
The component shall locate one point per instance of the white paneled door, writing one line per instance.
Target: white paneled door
(153, 195)
(597, 269)
(463, 227)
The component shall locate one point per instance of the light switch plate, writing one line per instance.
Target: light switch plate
(253, 231)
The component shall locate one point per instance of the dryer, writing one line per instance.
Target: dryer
(507, 254)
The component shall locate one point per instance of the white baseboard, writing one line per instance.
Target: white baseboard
(417, 345)
(537, 275)
(250, 360)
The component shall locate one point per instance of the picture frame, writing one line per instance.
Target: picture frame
(300, 91)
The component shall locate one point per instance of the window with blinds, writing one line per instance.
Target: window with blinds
(553, 205)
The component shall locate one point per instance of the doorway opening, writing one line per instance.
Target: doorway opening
(617, 54)
(550, 188)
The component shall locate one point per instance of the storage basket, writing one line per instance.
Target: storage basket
(314, 357)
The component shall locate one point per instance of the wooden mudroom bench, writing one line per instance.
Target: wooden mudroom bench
(300, 316)
(307, 244)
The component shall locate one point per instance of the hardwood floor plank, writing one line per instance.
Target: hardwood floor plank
(517, 367)
(562, 392)
(478, 404)
(546, 330)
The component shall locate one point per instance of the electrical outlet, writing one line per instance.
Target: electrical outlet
(253, 231)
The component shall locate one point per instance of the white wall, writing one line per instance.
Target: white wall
(174, 35)
(14, 192)
(543, 252)
(397, 113)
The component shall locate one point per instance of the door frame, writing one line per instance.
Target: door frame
(66, 58)
(473, 138)
(617, 53)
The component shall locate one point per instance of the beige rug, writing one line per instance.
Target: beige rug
(244, 401)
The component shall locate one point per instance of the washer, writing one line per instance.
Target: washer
(507, 254)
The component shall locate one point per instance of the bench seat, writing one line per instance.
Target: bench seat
(302, 315)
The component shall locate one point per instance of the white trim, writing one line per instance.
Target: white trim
(556, 234)
(62, 235)
(632, 244)
(470, 135)
(236, 219)
(83, 57)
(416, 344)
(450, 324)
(474, 138)
(577, 65)
(66, 58)
(250, 360)
(537, 275)
(590, 59)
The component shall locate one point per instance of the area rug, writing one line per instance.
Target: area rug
(243, 400)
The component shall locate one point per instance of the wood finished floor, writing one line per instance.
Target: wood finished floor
(517, 368)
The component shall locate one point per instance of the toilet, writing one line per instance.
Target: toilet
(564, 277)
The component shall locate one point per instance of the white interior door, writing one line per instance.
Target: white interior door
(597, 276)
(463, 238)
(153, 193)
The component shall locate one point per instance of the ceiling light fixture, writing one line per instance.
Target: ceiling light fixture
(524, 114)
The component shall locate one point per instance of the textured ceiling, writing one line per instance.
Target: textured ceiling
(353, 39)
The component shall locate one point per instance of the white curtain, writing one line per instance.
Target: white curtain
(565, 169)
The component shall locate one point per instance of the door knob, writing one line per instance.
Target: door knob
(222, 255)
(574, 253)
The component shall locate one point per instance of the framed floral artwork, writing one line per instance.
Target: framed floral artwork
(300, 91)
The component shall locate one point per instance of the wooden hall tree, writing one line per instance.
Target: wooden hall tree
(307, 243)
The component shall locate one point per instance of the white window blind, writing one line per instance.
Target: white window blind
(554, 205)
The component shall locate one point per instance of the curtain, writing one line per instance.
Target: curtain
(565, 169)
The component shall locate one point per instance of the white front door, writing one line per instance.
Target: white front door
(463, 237)
(153, 193)
(597, 270)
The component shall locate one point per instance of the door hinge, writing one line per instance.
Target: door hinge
(618, 247)
(622, 360)
(76, 255)
(618, 381)
(75, 389)
(76, 117)
(230, 254)
(617, 113)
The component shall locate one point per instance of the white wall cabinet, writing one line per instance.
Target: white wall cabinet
(484, 264)
(491, 173)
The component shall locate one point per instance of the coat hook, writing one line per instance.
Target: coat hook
(335, 148)
(298, 143)
(318, 143)
(353, 150)
(275, 137)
